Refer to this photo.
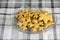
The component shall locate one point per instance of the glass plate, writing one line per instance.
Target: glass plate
(14, 21)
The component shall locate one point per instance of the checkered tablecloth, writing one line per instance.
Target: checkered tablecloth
(8, 8)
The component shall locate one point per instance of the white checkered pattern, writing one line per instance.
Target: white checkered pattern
(8, 30)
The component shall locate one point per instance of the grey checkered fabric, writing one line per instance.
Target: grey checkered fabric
(8, 30)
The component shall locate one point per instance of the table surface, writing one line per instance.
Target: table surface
(8, 8)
